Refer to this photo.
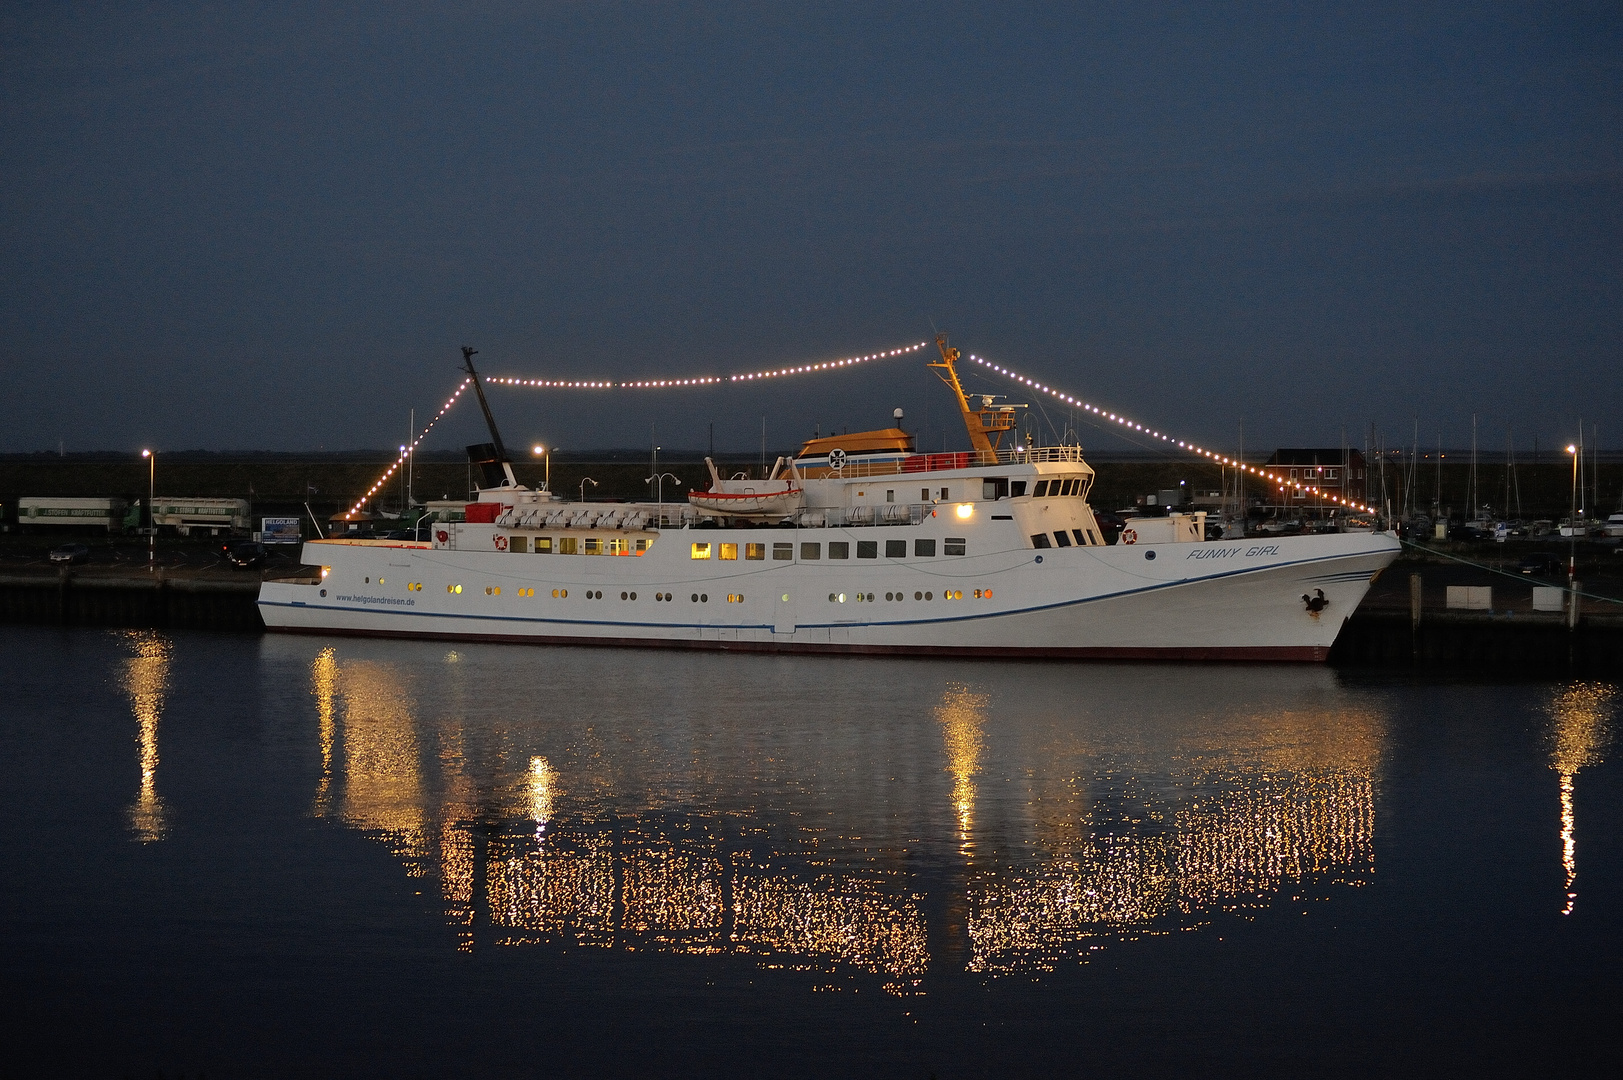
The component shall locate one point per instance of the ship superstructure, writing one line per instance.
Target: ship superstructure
(857, 544)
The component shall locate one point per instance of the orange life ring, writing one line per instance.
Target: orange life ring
(1129, 536)
(500, 541)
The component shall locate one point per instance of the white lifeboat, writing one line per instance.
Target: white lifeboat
(775, 497)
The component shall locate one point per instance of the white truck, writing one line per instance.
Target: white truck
(211, 516)
(107, 514)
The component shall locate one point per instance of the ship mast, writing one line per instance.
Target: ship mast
(499, 450)
(985, 425)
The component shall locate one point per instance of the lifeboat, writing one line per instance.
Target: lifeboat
(778, 496)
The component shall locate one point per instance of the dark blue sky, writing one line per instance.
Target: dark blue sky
(272, 227)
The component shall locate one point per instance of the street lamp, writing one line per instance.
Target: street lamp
(152, 516)
(583, 484)
(1572, 548)
(539, 451)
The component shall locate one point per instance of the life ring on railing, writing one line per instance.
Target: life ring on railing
(500, 541)
(442, 536)
(1129, 536)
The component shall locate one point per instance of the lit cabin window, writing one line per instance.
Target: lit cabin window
(594, 546)
(839, 549)
(566, 545)
(619, 545)
(729, 552)
(953, 545)
(543, 545)
(754, 552)
(642, 544)
(701, 551)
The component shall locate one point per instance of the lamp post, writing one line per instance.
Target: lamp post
(583, 484)
(545, 451)
(152, 518)
(1572, 547)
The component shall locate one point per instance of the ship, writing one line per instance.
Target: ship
(857, 544)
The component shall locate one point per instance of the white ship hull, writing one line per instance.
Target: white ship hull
(1222, 600)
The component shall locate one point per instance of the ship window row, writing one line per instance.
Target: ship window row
(1083, 537)
(812, 551)
(1060, 487)
(574, 545)
(893, 597)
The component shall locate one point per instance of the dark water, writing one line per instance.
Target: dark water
(236, 856)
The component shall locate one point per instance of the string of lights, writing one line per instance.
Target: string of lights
(699, 380)
(1276, 478)
(1182, 444)
(407, 451)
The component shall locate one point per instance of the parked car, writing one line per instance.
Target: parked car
(70, 554)
(1542, 564)
(247, 556)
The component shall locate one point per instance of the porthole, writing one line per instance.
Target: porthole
(918, 596)
(929, 596)
(842, 598)
(694, 598)
(888, 596)
(1150, 555)
(323, 592)
(624, 596)
(704, 598)
(633, 596)
(987, 594)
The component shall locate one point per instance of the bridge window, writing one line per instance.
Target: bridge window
(783, 552)
(1040, 490)
(895, 549)
(754, 552)
(867, 549)
(1040, 540)
(924, 549)
(1061, 539)
(1081, 541)
(954, 545)
(1017, 488)
(839, 549)
(1094, 540)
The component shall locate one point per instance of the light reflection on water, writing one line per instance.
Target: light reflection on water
(1581, 733)
(842, 818)
(145, 678)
